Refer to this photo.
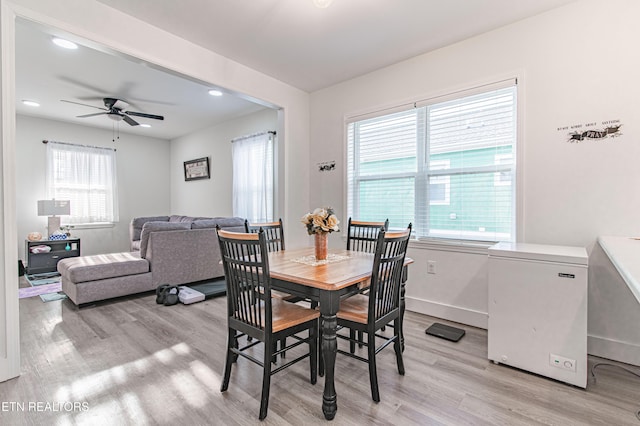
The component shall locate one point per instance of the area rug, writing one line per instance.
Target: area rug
(47, 286)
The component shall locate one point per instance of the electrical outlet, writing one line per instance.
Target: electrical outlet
(431, 267)
(562, 362)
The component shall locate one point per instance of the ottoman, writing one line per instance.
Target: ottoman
(88, 279)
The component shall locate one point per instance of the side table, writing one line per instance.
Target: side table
(38, 263)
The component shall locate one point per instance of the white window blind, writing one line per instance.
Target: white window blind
(446, 166)
(86, 176)
(253, 177)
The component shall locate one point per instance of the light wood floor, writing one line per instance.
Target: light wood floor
(134, 362)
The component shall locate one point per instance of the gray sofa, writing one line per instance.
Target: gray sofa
(178, 251)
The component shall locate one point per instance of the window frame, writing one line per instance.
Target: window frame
(52, 190)
(475, 245)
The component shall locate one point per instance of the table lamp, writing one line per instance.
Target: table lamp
(53, 209)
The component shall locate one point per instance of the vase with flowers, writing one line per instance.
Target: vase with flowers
(320, 223)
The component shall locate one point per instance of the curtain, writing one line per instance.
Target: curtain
(86, 176)
(253, 177)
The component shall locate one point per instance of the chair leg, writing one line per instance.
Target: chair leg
(283, 344)
(397, 347)
(360, 339)
(229, 362)
(352, 338)
(266, 381)
(235, 356)
(313, 350)
(373, 372)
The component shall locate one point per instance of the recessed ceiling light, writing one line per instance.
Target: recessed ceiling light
(145, 125)
(64, 43)
(31, 103)
(214, 92)
(322, 4)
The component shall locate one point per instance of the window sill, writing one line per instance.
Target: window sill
(99, 225)
(460, 246)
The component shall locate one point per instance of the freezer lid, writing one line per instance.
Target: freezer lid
(542, 252)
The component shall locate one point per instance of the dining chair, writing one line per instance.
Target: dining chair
(252, 311)
(274, 234)
(369, 313)
(273, 231)
(362, 236)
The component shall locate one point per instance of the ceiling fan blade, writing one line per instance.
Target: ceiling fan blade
(87, 105)
(142, 114)
(130, 121)
(91, 115)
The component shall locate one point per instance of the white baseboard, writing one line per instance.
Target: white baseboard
(616, 350)
(448, 312)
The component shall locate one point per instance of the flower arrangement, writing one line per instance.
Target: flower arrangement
(322, 220)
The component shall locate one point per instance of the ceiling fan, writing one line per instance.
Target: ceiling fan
(116, 109)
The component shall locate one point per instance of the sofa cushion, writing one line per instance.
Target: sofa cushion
(158, 226)
(138, 222)
(102, 266)
(227, 223)
(182, 219)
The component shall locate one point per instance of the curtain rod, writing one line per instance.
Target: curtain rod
(44, 141)
(253, 135)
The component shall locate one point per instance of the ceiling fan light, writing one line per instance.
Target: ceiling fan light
(64, 43)
(214, 92)
(145, 125)
(322, 4)
(30, 103)
(115, 117)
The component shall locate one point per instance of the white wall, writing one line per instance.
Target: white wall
(96, 22)
(143, 179)
(576, 65)
(212, 197)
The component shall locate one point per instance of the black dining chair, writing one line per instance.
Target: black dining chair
(371, 312)
(252, 311)
(362, 236)
(273, 232)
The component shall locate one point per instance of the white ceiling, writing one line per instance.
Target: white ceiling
(312, 48)
(291, 40)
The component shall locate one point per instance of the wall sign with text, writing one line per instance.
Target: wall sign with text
(592, 131)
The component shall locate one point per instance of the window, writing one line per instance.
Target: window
(446, 165)
(86, 176)
(253, 177)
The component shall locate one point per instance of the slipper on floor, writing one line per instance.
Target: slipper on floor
(171, 295)
(161, 293)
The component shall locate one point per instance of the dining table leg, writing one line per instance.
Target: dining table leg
(402, 306)
(329, 305)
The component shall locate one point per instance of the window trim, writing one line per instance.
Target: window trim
(50, 187)
(513, 78)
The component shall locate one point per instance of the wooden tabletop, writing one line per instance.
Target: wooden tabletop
(331, 276)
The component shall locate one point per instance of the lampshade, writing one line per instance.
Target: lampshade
(54, 207)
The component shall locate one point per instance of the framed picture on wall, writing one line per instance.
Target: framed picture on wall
(197, 169)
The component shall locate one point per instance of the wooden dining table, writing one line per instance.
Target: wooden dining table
(327, 282)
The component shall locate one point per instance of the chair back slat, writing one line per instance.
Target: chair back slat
(247, 277)
(386, 278)
(273, 231)
(363, 236)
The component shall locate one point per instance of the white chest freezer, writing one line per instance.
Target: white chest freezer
(538, 309)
